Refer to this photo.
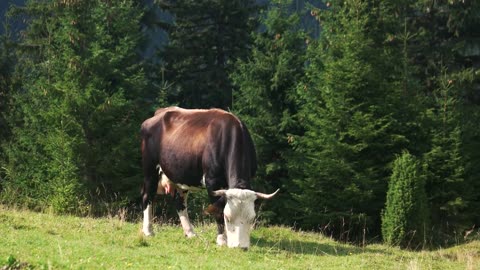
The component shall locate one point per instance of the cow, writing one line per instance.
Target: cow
(187, 149)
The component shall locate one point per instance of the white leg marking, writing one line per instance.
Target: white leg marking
(203, 182)
(147, 220)
(221, 240)
(187, 226)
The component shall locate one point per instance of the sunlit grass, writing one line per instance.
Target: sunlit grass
(45, 241)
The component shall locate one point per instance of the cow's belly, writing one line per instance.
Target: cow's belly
(185, 172)
(166, 186)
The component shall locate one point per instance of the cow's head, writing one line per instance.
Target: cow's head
(239, 214)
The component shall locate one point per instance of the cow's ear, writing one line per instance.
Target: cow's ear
(221, 192)
(210, 209)
(213, 210)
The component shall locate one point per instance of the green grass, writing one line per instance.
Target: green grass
(45, 241)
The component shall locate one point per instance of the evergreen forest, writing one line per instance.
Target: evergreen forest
(365, 113)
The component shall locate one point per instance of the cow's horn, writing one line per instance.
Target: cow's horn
(266, 196)
(220, 192)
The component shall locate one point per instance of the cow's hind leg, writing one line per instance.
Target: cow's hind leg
(149, 191)
(148, 199)
(181, 205)
(147, 220)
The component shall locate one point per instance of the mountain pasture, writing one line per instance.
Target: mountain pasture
(30, 240)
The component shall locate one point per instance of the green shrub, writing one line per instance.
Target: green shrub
(405, 218)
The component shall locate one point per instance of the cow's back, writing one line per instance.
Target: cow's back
(190, 143)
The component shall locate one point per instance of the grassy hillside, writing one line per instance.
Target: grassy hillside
(43, 241)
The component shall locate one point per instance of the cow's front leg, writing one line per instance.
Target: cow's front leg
(216, 210)
(217, 204)
(221, 236)
(181, 205)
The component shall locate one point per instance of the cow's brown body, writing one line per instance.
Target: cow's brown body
(192, 145)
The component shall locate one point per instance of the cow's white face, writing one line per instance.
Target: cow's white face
(239, 214)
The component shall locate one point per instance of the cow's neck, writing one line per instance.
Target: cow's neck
(241, 184)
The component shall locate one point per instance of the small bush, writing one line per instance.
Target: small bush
(405, 218)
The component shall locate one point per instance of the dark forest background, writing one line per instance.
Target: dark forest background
(364, 113)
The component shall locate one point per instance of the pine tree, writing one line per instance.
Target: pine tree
(405, 220)
(266, 96)
(205, 39)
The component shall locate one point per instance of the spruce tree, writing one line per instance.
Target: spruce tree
(265, 98)
(7, 63)
(205, 39)
(439, 54)
(449, 194)
(405, 220)
(80, 104)
(351, 105)
(448, 59)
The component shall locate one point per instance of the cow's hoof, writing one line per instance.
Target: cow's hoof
(221, 240)
(148, 232)
(190, 234)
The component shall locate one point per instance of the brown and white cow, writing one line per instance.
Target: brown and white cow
(186, 149)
